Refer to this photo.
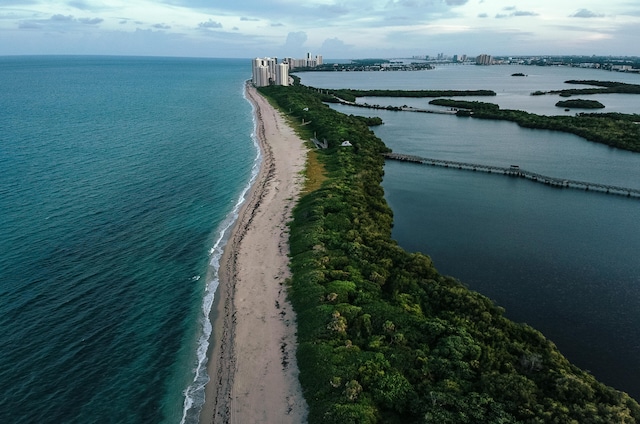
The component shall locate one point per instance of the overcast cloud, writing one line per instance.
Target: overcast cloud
(333, 28)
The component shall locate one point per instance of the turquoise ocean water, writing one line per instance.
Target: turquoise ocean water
(119, 178)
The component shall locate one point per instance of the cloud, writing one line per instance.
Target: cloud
(335, 10)
(456, 2)
(523, 13)
(334, 47)
(17, 2)
(58, 21)
(483, 15)
(210, 24)
(79, 4)
(514, 13)
(277, 25)
(295, 40)
(90, 21)
(161, 26)
(61, 18)
(244, 18)
(585, 13)
(29, 25)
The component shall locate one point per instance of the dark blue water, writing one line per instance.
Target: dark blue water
(117, 176)
(564, 261)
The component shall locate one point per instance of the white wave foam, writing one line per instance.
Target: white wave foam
(194, 394)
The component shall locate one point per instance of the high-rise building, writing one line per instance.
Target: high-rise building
(484, 59)
(282, 74)
(262, 79)
(307, 62)
(267, 71)
(258, 72)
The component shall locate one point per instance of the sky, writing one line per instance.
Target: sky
(338, 29)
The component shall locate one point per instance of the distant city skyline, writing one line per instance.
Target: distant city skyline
(337, 29)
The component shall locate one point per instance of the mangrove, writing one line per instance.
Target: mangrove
(580, 104)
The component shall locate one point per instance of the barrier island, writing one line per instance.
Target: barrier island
(382, 335)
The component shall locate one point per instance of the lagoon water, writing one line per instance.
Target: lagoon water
(118, 180)
(564, 261)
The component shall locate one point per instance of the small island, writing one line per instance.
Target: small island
(518, 74)
(580, 104)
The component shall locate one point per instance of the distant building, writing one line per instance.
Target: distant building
(307, 62)
(484, 59)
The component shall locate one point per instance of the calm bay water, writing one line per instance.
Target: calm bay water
(564, 261)
(118, 177)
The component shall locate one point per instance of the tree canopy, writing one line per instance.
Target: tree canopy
(383, 336)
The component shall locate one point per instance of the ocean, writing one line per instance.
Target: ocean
(119, 180)
(564, 261)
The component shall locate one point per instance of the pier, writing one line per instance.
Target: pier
(516, 171)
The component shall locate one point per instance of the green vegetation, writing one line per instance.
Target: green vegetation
(580, 104)
(614, 129)
(370, 121)
(607, 87)
(369, 61)
(351, 95)
(383, 337)
(314, 173)
(463, 104)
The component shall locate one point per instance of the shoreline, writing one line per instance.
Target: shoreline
(252, 358)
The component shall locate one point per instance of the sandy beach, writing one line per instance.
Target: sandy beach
(252, 362)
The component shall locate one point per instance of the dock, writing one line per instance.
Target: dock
(516, 171)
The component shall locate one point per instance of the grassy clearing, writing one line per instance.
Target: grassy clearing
(315, 173)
